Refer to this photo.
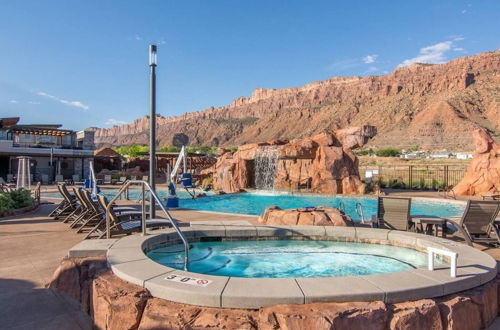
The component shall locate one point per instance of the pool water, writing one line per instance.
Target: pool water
(256, 203)
(290, 258)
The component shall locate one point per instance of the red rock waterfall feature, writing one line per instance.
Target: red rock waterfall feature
(323, 163)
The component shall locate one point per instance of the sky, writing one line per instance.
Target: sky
(85, 63)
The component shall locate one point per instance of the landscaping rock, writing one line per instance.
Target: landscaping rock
(372, 315)
(420, 314)
(117, 304)
(460, 313)
(483, 174)
(317, 216)
(163, 314)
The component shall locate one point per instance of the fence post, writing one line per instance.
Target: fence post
(410, 175)
(445, 176)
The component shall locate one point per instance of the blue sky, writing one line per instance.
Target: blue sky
(84, 63)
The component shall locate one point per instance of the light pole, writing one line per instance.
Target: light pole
(152, 125)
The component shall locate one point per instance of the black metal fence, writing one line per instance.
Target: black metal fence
(413, 176)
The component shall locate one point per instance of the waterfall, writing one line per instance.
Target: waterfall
(266, 159)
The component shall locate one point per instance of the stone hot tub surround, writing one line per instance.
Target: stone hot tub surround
(127, 260)
(323, 163)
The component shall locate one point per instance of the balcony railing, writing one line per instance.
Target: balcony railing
(44, 145)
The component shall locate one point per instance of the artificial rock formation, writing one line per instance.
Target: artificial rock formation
(116, 304)
(483, 174)
(323, 163)
(314, 216)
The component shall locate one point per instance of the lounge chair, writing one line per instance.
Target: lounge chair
(67, 206)
(477, 224)
(107, 179)
(59, 178)
(45, 178)
(394, 213)
(122, 180)
(76, 180)
(145, 178)
(10, 178)
(124, 222)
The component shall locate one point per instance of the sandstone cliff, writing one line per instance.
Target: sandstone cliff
(433, 106)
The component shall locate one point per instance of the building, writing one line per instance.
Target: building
(53, 151)
(465, 155)
(441, 155)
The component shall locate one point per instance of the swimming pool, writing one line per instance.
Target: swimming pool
(290, 258)
(256, 203)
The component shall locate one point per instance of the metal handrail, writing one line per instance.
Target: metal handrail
(143, 221)
(359, 211)
(342, 206)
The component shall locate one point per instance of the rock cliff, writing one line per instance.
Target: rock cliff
(433, 106)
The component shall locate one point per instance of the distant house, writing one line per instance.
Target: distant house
(413, 155)
(441, 155)
(465, 155)
(53, 151)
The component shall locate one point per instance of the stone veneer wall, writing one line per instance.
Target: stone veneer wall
(117, 304)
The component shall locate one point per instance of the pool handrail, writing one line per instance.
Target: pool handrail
(154, 198)
(359, 211)
(342, 206)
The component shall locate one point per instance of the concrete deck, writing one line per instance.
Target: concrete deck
(32, 246)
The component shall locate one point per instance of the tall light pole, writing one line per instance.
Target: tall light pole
(152, 124)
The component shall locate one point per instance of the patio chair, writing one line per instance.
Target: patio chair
(76, 180)
(107, 179)
(59, 178)
(477, 224)
(66, 206)
(124, 222)
(45, 178)
(80, 211)
(10, 178)
(122, 180)
(394, 213)
(145, 178)
(95, 214)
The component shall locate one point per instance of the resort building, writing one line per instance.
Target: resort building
(55, 153)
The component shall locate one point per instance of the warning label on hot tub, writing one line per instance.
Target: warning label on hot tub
(188, 280)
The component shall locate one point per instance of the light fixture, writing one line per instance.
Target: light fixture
(152, 55)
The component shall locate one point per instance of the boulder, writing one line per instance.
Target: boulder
(117, 304)
(420, 314)
(317, 216)
(164, 314)
(352, 316)
(483, 173)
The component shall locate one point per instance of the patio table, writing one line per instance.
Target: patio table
(431, 223)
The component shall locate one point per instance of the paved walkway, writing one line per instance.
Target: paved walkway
(32, 246)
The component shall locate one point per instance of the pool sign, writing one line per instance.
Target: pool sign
(188, 280)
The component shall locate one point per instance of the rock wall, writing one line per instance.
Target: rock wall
(117, 304)
(433, 106)
(483, 174)
(323, 163)
(314, 216)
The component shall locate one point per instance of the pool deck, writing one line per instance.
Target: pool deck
(32, 246)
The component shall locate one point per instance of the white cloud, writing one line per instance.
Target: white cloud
(342, 65)
(458, 49)
(114, 122)
(464, 11)
(33, 102)
(137, 37)
(370, 58)
(76, 104)
(13, 101)
(434, 54)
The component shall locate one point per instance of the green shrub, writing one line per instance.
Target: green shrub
(21, 198)
(388, 152)
(6, 202)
